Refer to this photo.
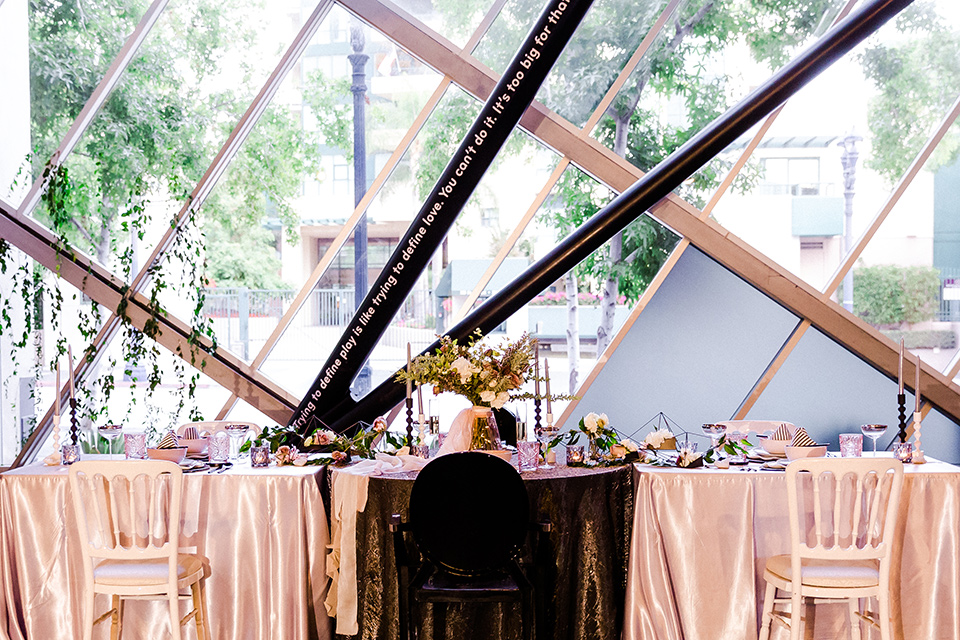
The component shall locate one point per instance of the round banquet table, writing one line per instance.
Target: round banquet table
(583, 570)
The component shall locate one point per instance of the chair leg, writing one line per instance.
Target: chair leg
(88, 614)
(796, 615)
(198, 604)
(115, 618)
(173, 600)
(883, 610)
(766, 618)
(854, 607)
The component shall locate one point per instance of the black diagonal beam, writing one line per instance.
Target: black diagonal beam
(510, 98)
(645, 193)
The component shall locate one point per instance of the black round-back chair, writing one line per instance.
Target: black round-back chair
(469, 518)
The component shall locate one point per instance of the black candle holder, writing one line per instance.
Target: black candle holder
(74, 427)
(409, 422)
(902, 403)
(536, 415)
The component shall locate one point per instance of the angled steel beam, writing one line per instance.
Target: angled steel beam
(650, 189)
(514, 92)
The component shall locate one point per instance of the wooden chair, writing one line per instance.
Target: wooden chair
(469, 517)
(128, 515)
(843, 519)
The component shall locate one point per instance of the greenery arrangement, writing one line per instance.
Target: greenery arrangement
(486, 375)
(289, 448)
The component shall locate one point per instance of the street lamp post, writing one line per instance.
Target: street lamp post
(358, 60)
(849, 161)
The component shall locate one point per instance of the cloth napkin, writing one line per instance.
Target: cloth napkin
(802, 439)
(349, 499)
(169, 441)
(782, 433)
(461, 430)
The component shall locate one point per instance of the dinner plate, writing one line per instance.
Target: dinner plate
(191, 466)
(763, 455)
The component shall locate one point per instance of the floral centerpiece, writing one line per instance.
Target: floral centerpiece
(486, 375)
(284, 444)
(606, 445)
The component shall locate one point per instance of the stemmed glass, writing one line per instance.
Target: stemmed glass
(111, 432)
(873, 431)
(714, 431)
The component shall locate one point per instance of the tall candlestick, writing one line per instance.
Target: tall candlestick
(420, 398)
(73, 393)
(409, 381)
(916, 386)
(546, 373)
(900, 369)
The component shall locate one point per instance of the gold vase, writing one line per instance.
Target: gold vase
(484, 433)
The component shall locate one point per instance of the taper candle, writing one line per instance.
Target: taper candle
(546, 374)
(916, 386)
(900, 369)
(536, 370)
(56, 407)
(409, 381)
(73, 392)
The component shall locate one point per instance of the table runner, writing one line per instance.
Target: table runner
(263, 531)
(701, 540)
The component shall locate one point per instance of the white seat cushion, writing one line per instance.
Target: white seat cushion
(128, 573)
(828, 573)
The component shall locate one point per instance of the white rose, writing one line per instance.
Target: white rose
(629, 445)
(502, 398)
(462, 366)
(590, 423)
(654, 439)
(488, 396)
(603, 420)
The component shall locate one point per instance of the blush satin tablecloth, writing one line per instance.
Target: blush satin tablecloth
(264, 533)
(701, 539)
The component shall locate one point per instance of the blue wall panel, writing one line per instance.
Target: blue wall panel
(694, 353)
(828, 390)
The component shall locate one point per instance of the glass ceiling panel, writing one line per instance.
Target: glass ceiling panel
(71, 46)
(456, 20)
(294, 178)
(791, 203)
(608, 36)
(194, 75)
(330, 306)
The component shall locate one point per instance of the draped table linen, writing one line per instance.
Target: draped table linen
(701, 539)
(264, 532)
(585, 561)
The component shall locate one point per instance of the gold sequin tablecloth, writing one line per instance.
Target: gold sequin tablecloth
(585, 564)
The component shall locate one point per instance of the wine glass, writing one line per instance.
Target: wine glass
(714, 431)
(111, 432)
(873, 431)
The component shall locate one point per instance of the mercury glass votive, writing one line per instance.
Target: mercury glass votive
(69, 453)
(528, 455)
(903, 451)
(851, 445)
(420, 450)
(575, 453)
(135, 446)
(260, 456)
